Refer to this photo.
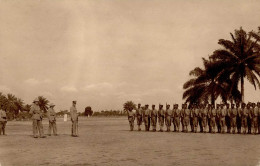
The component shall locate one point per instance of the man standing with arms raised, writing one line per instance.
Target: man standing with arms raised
(74, 119)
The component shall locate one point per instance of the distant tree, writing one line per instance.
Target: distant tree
(129, 105)
(88, 111)
(43, 103)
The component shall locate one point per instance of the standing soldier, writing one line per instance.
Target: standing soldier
(191, 107)
(218, 118)
(254, 115)
(37, 119)
(74, 119)
(199, 117)
(177, 116)
(223, 113)
(209, 117)
(161, 113)
(195, 116)
(139, 117)
(249, 118)
(239, 112)
(227, 118)
(168, 116)
(131, 118)
(212, 115)
(233, 118)
(186, 118)
(52, 120)
(182, 118)
(203, 116)
(258, 106)
(146, 117)
(244, 117)
(173, 114)
(154, 114)
(3, 120)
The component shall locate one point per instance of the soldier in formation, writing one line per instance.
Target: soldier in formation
(131, 118)
(226, 119)
(139, 117)
(154, 115)
(3, 120)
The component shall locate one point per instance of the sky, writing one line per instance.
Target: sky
(103, 53)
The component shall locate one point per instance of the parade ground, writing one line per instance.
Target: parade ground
(108, 141)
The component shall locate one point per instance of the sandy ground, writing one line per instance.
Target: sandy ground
(107, 141)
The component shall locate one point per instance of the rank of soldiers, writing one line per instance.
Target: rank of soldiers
(239, 118)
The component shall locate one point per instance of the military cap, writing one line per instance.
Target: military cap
(258, 103)
(36, 100)
(153, 105)
(243, 104)
(139, 104)
(232, 104)
(74, 101)
(147, 105)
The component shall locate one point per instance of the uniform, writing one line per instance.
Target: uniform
(168, 118)
(131, 119)
(191, 118)
(213, 115)
(244, 117)
(154, 114)
(227, 119)
(177, 116)
(239, 112)
(223, 113)
(52, 120)
(74, 120)
(195, 116)
(37, 120)
(254, 115)
(218, 119)
(233, 118)
(146, 119)
(3, 121)
(186, 119)
(139, 118)
(249, 120)
(161, 114)
(203, 116)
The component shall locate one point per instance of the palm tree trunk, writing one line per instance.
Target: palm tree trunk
(242, 88)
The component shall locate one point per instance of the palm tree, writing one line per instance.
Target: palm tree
(10, 105)
(3, 100)
(19, 105)
(43, 103)
(206, 85)
(239, 58)
(129, 105)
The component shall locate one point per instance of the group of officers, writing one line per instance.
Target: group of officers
(239, 118)
(37, 117)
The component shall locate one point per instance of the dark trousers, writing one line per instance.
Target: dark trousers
(2, 127)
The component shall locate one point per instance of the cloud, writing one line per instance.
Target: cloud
(32, 81)
(68, 89)
(99, 86)
(4, 88)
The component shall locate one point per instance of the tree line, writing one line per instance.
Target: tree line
(225, 69)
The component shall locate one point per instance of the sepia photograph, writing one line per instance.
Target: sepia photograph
(129, 83)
